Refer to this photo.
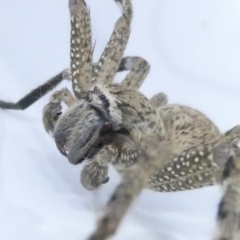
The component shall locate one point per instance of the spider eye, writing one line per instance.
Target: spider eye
(59, 113)
(102, 97)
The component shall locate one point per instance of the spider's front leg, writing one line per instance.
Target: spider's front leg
(81, 46)
(121, 152)
(138, 71)
(52, 110)
(95, 173)
(228, 217)
(151, 156)
(232, 136)
(108, 64)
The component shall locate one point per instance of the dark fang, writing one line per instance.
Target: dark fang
(106, 128)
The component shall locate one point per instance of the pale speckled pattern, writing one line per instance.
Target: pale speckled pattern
(108, 64)
(81, 46)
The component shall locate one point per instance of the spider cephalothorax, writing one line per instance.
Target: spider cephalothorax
(106, 118)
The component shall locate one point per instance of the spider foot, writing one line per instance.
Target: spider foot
(153, 155)
(159, 99)
(93, 176)
(9, 105)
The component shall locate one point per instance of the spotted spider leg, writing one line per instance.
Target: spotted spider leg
(228, 216)
(193, 169)
(52, 110)
(139, 70)
(95, 172)
(82, 68)
(109, 62)
(81, 46)
(151, 156)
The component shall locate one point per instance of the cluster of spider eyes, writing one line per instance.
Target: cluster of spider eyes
(102, 97)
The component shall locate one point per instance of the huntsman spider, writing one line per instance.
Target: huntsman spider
(152, 144)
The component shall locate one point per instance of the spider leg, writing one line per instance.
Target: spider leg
(52, 110)
(153, 155)
(138, 71)
(36, 93)
(107, 66)
(228, 216)
(95, 173)
(232, 135)
(81, 46)
(122, 149)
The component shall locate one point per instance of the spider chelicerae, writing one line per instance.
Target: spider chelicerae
(152, 144)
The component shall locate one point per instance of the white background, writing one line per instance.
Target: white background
(194, 51)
